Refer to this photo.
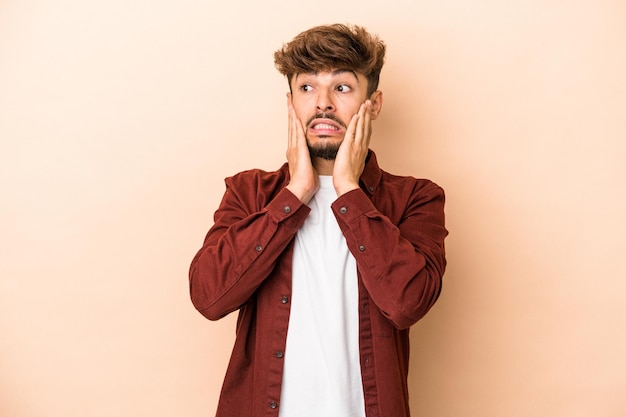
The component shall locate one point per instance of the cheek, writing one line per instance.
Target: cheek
(301, 115)
(346, 113)
(301, 106)
(303, 112)
(349, 105)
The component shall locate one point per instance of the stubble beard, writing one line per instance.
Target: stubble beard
(327, 151)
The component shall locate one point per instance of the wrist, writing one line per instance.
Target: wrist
(344, 188)
(304, 194)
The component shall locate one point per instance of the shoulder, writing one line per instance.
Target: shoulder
(258, 178)
(253, 189)
(409, 185)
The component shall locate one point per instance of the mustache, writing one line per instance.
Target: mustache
(328, 116)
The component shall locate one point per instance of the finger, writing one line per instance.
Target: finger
(366, 132)
(290, 112)
(293, 131)
(352, 127)
(362, 120)
(300, 136)
(361, 125)
(289, 124)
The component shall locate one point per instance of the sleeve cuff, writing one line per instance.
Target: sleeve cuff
(351, 205)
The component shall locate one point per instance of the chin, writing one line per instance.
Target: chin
(325, 150)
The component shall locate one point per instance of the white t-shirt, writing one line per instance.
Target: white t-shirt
(322, 375)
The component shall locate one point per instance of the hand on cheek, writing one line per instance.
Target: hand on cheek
(350, 160)
(304, 181)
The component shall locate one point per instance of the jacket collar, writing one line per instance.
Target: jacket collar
(372, 174)
(370, 178)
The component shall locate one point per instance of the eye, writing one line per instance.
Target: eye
(344, 88)
(306, 88)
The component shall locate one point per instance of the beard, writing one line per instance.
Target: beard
(327, 151)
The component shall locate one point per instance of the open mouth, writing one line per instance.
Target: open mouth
(324, 126)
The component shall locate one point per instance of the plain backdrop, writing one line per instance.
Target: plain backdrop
(119, 120)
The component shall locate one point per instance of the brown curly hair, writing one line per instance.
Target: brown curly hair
(332, 47)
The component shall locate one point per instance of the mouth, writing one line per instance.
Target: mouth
(325, 127)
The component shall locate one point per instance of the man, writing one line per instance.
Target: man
(329, 260)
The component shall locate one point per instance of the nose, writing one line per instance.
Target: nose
(324, 102)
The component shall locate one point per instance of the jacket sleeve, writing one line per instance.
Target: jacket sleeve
(241, 249)
(401, 265)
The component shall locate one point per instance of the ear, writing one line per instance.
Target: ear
(289, 98)
(377, 103)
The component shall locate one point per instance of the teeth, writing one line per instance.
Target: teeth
(325, 126)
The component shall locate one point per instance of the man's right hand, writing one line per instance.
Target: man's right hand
(304, 180)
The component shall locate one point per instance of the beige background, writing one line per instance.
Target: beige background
(119, 120)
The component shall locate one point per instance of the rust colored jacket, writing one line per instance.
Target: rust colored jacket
(394, 227)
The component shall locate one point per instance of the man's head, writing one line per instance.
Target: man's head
(331, 71)
(333, 47)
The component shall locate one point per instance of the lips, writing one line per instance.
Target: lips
(325, 125)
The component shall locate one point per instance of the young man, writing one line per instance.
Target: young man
(329, 260)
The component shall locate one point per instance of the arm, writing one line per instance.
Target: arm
(401, 262)
(401, 265)
(241, 249)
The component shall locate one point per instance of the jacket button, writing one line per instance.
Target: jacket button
(343, 210)
(258, 248)
(284, 300)
(273, 404)
(279, 354)
(287, 209)
(362, 248)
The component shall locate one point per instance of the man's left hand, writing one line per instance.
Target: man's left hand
(350, 160)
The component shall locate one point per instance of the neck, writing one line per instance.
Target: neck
(323, 166)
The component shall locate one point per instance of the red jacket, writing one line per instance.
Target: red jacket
(394, 227)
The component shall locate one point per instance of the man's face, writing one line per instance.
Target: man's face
(324, 103)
